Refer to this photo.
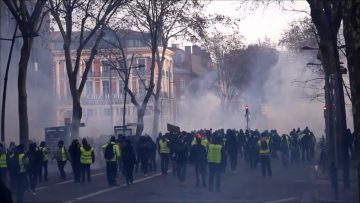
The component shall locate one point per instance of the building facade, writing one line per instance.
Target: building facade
(103, 97)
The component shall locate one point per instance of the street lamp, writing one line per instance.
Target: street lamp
(6, 77)
(127, 76)
(247, 116)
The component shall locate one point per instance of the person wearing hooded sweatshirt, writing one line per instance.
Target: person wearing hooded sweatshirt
(129, 160)
(61, 157)
(21, 179)
(181, 156)
(34, 166)
(87, 157)
(3, 163)
(44, 166)
(74, 151)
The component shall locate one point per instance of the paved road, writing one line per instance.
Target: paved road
(292, 184)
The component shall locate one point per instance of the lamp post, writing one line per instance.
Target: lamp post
(127, 77)
(6, 77)
(247, 116)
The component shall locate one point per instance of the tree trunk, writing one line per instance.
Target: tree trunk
(22, 105)
(76, 118)
(157, 112)
(351, 22)
(140, 121)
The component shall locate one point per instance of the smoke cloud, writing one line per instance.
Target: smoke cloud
(281, 104)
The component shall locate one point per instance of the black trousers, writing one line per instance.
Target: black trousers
(111, 172)
(152, 164)
(214, 173)
(144, 165)
(265, 165)
(76, 166)
(164, 162)
(128, 173)
(21, 184)
(61, 166)
(33, 176)
(85, 169)
(305, 153)
(43, 171)
(181, 171)
(200, 171)
(3, 172)
(233, 161)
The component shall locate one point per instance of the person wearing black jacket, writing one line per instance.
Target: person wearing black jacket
(74, 152)
(198, 158)
(34, 166)
(181, 156)
(232, 149)
(143, 154)
(129, 160)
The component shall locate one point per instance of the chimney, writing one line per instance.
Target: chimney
(188, 57)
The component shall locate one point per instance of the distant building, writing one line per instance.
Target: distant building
(103, 97)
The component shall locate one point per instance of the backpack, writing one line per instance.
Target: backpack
(13, 163)
(264, 145)
(109, 151)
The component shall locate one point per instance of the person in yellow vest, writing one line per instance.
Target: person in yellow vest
(45, 158)
(21, 180)
(214, 155)
(264, 152)
(3, 163)
(61, 158)
(164, 152)
(204, 140)
(111, 155)
(87, 157)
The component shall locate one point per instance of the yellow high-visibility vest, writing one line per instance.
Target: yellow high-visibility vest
(116, 149)
(264, 151)
(214, 153)
(164, 149)
(63, 154)
(85, 155)
(204, 142)
(3, 163)
(22, 163)
(45, 152)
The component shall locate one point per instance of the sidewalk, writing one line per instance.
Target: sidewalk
(323, 191)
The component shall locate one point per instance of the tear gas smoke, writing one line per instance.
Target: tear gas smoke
(282, 105)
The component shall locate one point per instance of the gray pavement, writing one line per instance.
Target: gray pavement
(297, 183)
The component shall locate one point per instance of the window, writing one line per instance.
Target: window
(89, 87)
(107, 112)
(90, 113)
(105, 67)
(182, 84)
(121, 87)
(106, 88)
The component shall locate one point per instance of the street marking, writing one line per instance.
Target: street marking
(41, 188)
(68, 181)
(289, 199)
(111, 189)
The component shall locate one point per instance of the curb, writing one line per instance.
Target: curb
(318, 199)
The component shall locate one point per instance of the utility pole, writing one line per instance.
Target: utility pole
(247, 116)
(5, 85)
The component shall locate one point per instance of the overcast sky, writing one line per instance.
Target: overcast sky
(267, 21)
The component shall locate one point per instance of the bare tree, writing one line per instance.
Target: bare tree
(351, 23)
(86, 18)
(29, 16)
